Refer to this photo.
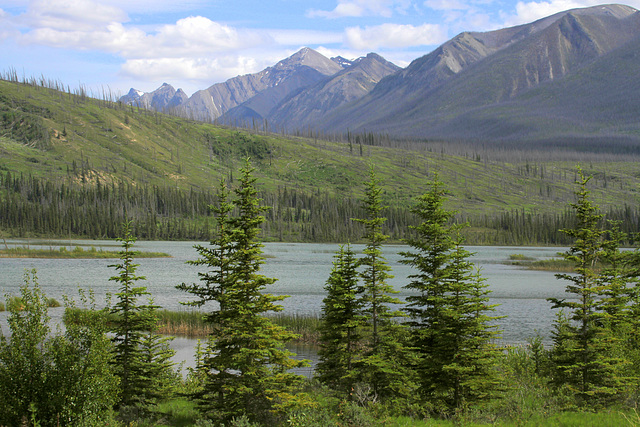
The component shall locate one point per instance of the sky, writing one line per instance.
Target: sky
(120, 44)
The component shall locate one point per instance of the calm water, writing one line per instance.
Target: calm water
(301, 270)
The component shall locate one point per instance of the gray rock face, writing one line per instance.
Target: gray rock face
(309, 106)
(514, 84)
(461, 90)
(303, 68)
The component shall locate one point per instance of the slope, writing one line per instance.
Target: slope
(312, 104)
(300, 69)
(81, 142)
(432, 97)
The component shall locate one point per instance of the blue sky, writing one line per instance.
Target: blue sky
(192, 44)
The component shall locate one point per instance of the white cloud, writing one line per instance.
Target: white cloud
(445, 5)
(304, 37)
(202, 69)
(191, 36)
(358, 8)
(71, 15)
(394, 36)
(147, 6)
(526, 12)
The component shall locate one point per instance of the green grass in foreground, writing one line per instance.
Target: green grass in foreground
(75, 253)
(182, 412)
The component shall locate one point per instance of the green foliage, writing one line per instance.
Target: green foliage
(451, 326)
(383, 365)
(99, 146)
(341, 324)
(142, 358)
(52, 380)
(586, 353)
(246, 365)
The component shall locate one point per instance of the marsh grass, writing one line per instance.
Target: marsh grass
(520, 257)
(16, 303)
(75, 253)
(191, 324)
(183, 323)
(306, 326)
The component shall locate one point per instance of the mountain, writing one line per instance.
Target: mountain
(343, 62)
(312, 104)
(488, 86)
(132, 97)
(165, 98)
(267, 87)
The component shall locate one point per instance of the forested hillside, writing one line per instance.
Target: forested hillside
(78, 164)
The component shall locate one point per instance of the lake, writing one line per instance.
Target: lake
(301, 269)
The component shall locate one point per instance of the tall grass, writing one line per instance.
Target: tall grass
(307, 326)
(183, 323)
(191, 324)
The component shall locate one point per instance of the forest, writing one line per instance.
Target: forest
(38, 207)
(436, 361)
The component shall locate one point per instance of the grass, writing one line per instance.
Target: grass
(96, 141)
(76, 253)
(191, 324)
(185, 323)
(520, 257)
(16, 303)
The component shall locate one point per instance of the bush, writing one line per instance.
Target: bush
(51, 380)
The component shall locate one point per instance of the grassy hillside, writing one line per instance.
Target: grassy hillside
(72, 138)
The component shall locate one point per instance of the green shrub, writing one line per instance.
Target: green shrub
(51, 380)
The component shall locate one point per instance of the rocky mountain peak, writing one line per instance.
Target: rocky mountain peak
(310, 58)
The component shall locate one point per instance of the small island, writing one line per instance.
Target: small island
(75, 253)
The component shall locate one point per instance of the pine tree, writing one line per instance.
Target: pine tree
(383, 365)
(584, 354)
(449, 316)
(142, 357)
(247, 367)
(340, 335)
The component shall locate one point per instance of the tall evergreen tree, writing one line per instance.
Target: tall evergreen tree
(383, 365)
(584, 355)
(340, 334)
(142, 356)
(247, 366)
(449, 316)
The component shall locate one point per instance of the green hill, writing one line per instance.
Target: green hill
(79, 143)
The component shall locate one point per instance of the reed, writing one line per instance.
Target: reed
(183, 323)
(191, 324)
(307, 326)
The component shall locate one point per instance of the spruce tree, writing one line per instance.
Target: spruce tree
(142, 357)
(449, 316)
(383, 365)
(584, 354)
(340, 333)
(247, 367)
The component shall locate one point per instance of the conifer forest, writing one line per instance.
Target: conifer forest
(76, 167)
(436, 360)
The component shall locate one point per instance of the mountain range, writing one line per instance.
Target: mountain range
(569, 76)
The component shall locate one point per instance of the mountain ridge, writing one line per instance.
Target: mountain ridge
(473, 75)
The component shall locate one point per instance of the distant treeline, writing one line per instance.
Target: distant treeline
(32, 206)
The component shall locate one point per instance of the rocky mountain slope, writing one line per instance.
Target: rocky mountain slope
(312, 104)
(571, 75)
(479, 85)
